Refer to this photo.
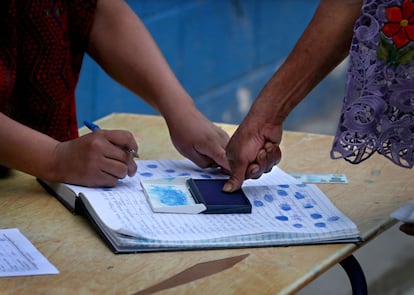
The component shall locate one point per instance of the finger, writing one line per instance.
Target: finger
(114, 168)
(123, 139)
(102, 179)
(117, 154)
(200, 160)
(234, 183)
(269, 156)
(254, 171)
(132, 166)
(210, 157)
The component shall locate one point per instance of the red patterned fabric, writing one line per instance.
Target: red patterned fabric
(42, 44)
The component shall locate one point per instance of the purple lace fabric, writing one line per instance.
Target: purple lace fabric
(378, 109)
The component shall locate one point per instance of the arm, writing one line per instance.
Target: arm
(254, 148)
(123, 47)
(91, 160)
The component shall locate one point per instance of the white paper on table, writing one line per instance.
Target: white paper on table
(18, 256)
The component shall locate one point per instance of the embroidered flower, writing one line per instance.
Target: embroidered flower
(400, 25)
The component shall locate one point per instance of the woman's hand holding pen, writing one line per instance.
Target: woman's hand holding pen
(96, 159)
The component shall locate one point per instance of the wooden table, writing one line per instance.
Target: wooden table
(375, 189)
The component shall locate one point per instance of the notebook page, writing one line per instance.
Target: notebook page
(280, 208)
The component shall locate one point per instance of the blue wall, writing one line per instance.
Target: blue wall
(223, 52)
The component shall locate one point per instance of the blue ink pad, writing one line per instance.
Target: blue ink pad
(209, 192)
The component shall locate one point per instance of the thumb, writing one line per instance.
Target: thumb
(235, 181)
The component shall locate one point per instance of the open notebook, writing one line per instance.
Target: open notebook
(284, 212)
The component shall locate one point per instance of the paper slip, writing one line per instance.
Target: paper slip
(405, 213)
(320, 178)
(18, 256)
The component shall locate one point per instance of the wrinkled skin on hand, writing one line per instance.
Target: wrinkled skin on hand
(252, 151)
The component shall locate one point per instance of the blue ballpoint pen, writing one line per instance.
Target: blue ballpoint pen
(93, 127)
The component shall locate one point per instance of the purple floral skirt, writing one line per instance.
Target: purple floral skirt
(378, 109)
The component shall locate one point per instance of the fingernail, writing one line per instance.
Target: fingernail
(254, 170)
(228, 188)
(262, 155)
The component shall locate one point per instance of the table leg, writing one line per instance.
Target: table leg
(355, 274)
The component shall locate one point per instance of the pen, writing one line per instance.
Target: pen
(93, 127)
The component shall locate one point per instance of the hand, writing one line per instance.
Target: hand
(199, 140)
(251, 152)
(407, 228)
(97, 159)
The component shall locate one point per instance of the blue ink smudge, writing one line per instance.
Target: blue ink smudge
(299, 195)
(205, 176)
(282, 193)
(146, 174)
(301, 184)
(268, 198)
(308, 206)
(282, 218)
(283, 185)
(184, 174)
(169, 196)
(258, 203)
(333, 218)
(316, 216)
(170, 170)
(298, 225)
(285, 207)
(320, 224)
(152, 165)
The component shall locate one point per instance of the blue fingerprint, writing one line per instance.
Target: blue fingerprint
(146, 174)
(333, 218)
(316, 216)
(268, 198)
(258, 203)
(308, 206)
(299, 195)
(169, 196)
(285, 207)
(152, 165)
(169, 170)
(282, 193)
(301, 184)
(320, 224)
(282, 218)
(298, 225)
(205, 176)
(184, 174)
(283, 185)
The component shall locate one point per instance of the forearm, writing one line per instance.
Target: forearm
(25, 149)
(121, 44)
(322, 46)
